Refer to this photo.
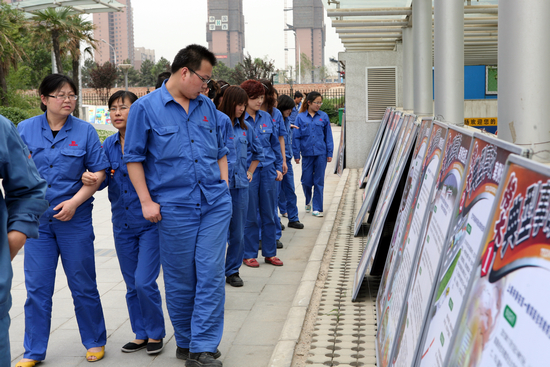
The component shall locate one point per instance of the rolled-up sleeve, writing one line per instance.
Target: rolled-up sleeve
(255, 145)
(137, 132)
(95, 155)
(328, 137)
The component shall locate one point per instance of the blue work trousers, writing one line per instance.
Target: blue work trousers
(278, 228)
(74, 242)
(192, 254)
(139, 258)
(281, 203)
(262, 196)
(235, 237)
(288, 195)
(313, 176)
(4, 333)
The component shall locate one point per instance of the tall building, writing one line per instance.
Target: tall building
(141, 54)
(309, 25)
(117, 30)
(225, 30)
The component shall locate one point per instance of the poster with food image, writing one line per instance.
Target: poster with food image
(443, 201)
(398, 160)
(407, 201)
(401, 281)
(505, 319)
(471, 216)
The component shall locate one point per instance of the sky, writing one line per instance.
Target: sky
(167, 26)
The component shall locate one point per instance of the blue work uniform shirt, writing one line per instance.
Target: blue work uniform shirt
(125, 204)
(245, 143)
(279, 123)
(62, 160)
(313, 136)
(288, 139)
(268, 137)
(179, 150)
(226, 130)
(293, 114)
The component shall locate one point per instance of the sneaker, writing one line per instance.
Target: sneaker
(308, 208)
(296, 225)
(204, 359)
(132, 347)
(234, 280)
(183, 353)
(317, 213)
(279, 244)
(155, 347)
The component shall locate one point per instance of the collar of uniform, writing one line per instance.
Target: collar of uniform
(66, 126)
(165, 96)
(117, 138)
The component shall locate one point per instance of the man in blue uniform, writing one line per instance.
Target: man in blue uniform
(177, 162)
(298, 102)
(19, 212)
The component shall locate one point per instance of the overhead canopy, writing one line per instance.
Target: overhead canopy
(78, 6)
(376, 25)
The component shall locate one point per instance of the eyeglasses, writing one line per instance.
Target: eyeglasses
(62, 97)
(207, 81)
(121, 108)
(318, 103)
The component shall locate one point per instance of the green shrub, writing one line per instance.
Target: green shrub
(104, 134)
(14, 114)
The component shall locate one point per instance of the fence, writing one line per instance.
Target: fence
(97, 100)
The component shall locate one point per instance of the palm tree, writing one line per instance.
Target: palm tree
(12, 26)
(55, 22)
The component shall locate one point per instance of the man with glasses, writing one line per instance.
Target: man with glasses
(177, 162)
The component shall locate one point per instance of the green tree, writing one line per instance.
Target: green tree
(12, 28)
(161, 66)
(253, 69)
(148, 78)
(134, 76)
(306, 66)
(102, 79)
(223, 72)
(89, 64)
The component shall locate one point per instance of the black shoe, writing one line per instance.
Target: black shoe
(183, 353)
(282, 225)
(296, 225)
(260, 245)
(279, 244)
(155, 347)
(234, 280)
(133, 347)
(204, 359)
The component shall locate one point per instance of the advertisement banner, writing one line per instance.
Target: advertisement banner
(469, 220)
(443, 201)
(375, 145)
(505, 320)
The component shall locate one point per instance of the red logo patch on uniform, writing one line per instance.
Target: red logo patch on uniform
(273, 120)
(205, 119)
(231, 138)
(30, 156)
(244, 133)
(73, 144)
(264, 125)
(320, 119)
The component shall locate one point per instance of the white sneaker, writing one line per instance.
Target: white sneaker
(317, 214)
(308, 208)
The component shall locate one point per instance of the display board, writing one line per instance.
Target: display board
(408, 200)
(442, 205)
(388, 334)
(505, 319)
(469, 221)
(339, 166)
(375, 145)
(378, 168)
(400, 156)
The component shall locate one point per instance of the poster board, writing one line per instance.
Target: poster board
(505, 319)
(445, 197)
(376, 144)
(408, 200)
(388, 333)
(399, 158)
(470, 218)
(379, 167)
(339, 166)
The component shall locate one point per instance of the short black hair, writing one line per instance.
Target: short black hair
(122, 94)
(285, 103)
(53, 82)
(161, 78)
(191, 57)
(298, 94)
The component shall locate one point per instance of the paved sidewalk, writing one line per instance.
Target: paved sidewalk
(254, 314)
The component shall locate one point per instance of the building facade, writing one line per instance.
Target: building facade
(225, 30)
(115, 35)
(141, 54)
(310, 32)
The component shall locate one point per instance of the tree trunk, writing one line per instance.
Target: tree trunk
(76, 71)
(3, 88)
(56, 51)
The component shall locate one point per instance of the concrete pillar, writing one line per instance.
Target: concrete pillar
(422, 56)
(449, 61)
(408, 83)
(523, 74)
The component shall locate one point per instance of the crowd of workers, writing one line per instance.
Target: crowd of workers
(197, 175)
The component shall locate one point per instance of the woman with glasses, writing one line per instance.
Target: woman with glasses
(313, 141)
(136, 239)
(63, 147)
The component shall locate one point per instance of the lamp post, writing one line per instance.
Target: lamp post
(125, 68)
(111, 46)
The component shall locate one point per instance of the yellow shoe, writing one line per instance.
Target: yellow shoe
(27, 364)
(98, 355)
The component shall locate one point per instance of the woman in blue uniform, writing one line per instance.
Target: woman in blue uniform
(136, 239)
(262, 189)
(313, 141)
(63, 147)
(245, 152)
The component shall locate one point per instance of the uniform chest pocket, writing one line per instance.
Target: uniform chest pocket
(166, 141)
(242, 146)
(265, 134)
(304, 129)
(72, 162)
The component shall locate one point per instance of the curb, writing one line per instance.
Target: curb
(284, 350)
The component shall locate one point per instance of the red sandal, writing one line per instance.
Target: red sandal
(253, 263)
(274, 261)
